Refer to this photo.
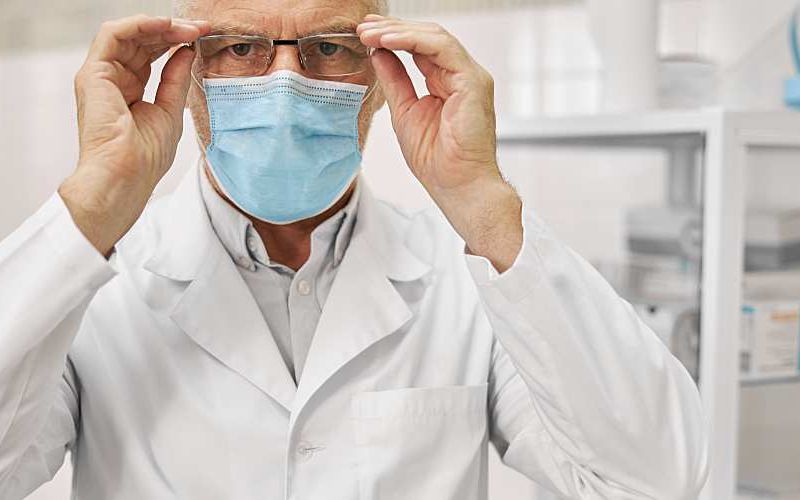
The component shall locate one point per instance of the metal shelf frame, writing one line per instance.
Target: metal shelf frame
(725, 138)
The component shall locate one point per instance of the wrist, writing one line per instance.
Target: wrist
(103, 210)
(487, 214)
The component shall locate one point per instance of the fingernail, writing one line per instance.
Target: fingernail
(373, 31)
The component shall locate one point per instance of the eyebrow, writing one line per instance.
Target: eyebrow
(239, 29)
(337, 27)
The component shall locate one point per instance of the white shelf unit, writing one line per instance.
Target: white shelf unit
(724, 138)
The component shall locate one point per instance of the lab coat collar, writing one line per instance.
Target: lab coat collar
(184, 238)
(364, 305)
(219, 313)
(216, 309)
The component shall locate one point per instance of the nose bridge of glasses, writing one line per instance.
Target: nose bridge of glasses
(286, 55)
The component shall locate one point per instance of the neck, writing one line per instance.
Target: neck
(290, 244)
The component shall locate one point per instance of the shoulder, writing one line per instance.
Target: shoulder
(426, 233)
(138, 244)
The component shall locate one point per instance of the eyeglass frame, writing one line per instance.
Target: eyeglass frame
(272, 42)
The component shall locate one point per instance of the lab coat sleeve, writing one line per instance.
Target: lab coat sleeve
(585, 398)
(48, 274)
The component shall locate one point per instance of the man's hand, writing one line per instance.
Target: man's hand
(448, 138)
(127, 145)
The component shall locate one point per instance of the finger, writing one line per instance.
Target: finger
(120, 40)
(174, 86)
(391, 22)
(379, 17)
(152, 55)
(146, 56)
(438, 86)
(442, 48)
(156, 53)
(142, 26)
(395, 82)
(143, 75)
(134, 26)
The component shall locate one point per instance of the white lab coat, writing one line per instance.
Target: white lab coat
(164, 381)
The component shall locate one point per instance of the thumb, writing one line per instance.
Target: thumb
(175, 80)
(395, 82)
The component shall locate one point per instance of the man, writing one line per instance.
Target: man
(271, 330)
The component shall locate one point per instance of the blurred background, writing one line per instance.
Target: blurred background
(658, 138)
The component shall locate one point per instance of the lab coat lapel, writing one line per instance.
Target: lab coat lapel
(363, 306)
(217, 310)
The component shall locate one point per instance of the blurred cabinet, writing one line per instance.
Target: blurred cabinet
(706, 272)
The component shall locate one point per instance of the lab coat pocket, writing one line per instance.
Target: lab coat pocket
(422, 444)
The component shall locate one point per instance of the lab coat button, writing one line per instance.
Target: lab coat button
(252, 245)
(304, 287)
(306, 451)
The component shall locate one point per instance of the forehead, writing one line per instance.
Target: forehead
(283, 18)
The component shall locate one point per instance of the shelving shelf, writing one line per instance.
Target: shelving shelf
(754, 381)
(724, 139)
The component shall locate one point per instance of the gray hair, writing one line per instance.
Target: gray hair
(181, 8)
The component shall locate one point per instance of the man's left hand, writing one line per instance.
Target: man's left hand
(448, 138)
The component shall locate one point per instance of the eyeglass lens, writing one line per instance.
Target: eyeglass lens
(243, 56)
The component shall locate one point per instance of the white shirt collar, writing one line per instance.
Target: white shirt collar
(245, 246)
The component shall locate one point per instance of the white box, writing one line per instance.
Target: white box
(770, 339)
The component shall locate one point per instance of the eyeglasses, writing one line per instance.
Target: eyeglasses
(329, 56)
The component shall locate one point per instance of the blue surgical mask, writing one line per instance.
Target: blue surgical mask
(283, 147)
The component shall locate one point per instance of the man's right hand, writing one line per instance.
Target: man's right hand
(127, 145)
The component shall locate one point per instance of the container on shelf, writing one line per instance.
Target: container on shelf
(770, 326)
(772, 236)
(770, 339)
(626, 35)
(687, 82)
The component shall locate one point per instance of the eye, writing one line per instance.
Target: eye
(328, 49)
(241, 49)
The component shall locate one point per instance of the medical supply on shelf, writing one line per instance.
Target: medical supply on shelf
(686, 82)
(770, 325)
(770, 338)
(772, 235)
(626, 35)
(666, 296)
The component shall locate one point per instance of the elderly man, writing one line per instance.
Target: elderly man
(270, 330)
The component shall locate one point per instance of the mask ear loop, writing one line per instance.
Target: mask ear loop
(197, 82)
(193, 47)
(372, 88)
